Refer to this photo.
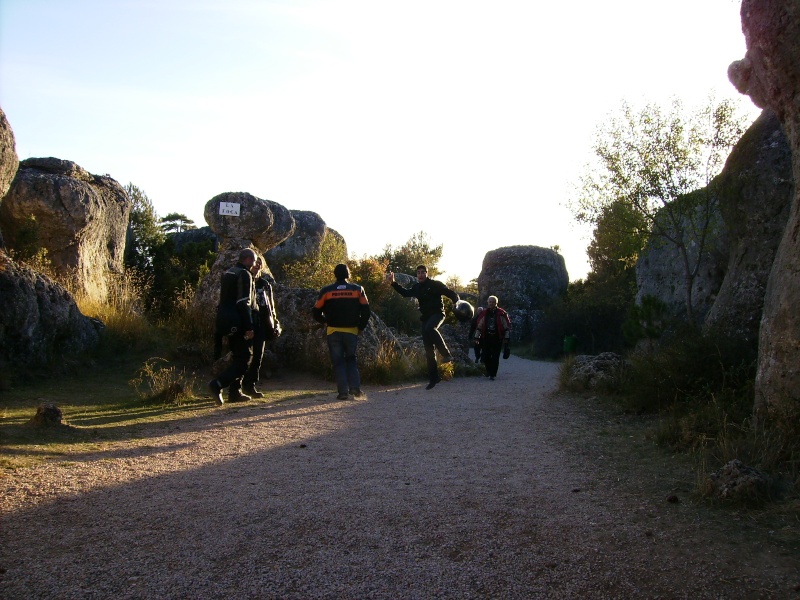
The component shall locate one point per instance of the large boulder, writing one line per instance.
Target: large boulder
(660, 272)
(525, 280)
(755, 192)
(239, 220)
(769, 75)
(80, 219)
(8, 159)
(309, 235)
(39, 319)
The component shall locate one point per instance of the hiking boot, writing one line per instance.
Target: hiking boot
(238, 396)
(433, 383)
(216, 392)
(357, 393)
(251, 390)
(491, 377)
(342, 397)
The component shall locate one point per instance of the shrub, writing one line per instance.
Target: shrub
(156, 381)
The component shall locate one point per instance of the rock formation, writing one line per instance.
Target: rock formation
(79, 218)
(750, 212)
(525, 279)
(38, 318)
(769, 75)
(8, 159)
(755, 191)
(309, 234)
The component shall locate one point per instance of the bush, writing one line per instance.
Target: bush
(156, 381)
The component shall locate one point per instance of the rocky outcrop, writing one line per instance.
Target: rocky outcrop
(739, 482)
(769, 75)
(660, 272)
(755, 191)
(239, 220)
(193, 236)
(80, 219)
(39, 320)
(8, 159)
(525, 279)
(309, 235)
(602, 372)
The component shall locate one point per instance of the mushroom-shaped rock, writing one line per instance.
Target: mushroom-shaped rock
(236, 216)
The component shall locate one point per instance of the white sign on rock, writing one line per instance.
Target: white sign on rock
(229, 209)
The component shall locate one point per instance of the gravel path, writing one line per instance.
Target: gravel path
(476, 489)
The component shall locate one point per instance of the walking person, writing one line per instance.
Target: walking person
(429, 293)
(267, 327)
(344, 308)
(493, 333)
(235, 320)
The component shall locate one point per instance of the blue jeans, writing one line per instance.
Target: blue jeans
(342, 347)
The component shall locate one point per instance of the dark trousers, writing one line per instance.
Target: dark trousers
(241, 353)
(491, 346)
(253, 374)
(342, 347)
(431, 338)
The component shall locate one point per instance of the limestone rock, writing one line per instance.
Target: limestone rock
(737, 481)
(660, 273)
(756, 189)
(525, 279)
(47, 415)
(601, 372)
(309, 234)
(8, 159)
(769, 75)
(79, 218)
(38, 319)
(263, 223)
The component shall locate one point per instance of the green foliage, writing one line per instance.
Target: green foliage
(416, 251)
(145, 234)
(174, 270)
(316, 269)
(648, 164)
(369, 272)
(593, 311)
(176, 222)
(646, 321)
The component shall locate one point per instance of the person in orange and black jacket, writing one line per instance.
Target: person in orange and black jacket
(492, 332)
(237, 297)
(344, 308)
(429, 293)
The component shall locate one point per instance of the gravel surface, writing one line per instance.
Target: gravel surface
(475, 489)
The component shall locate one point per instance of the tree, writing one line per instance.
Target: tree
(654, 179)
(416, 251)
(176, 222)
(144, 233)
(315, 269)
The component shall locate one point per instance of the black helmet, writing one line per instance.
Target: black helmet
(463, 310)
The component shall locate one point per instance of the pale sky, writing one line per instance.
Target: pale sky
(469, 121)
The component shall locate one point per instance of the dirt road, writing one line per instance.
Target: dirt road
(475, 489)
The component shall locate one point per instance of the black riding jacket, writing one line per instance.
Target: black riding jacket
(342, 304)
(429, 294)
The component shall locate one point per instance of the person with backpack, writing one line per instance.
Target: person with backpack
(267, 326)
(492, 333)
(237, 297)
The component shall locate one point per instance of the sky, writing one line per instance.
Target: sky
(472, 122)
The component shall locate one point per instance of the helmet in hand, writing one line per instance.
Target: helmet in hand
(463, 310)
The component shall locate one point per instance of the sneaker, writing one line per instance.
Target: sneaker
(216, 392)
(342, 397)
(238, 396)
(357, 393)
(433, 383)
(251, 390)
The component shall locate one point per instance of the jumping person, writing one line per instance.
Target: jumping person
(344, 308)
(492, 332)
(429, 293)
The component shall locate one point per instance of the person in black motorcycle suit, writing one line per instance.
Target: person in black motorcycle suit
(267, 326)
(237, 298)
(429, 293)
